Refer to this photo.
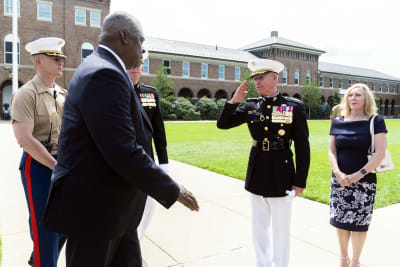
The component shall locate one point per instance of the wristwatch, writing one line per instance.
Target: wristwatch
(363, 171)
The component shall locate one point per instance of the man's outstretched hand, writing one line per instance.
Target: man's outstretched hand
(187, 199)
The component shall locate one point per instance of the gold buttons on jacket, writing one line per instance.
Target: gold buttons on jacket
(274, 99)
(281, 132)
(269, 106)
(267, 117)
(266, 128)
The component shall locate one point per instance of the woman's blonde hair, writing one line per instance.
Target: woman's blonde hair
(369, 106)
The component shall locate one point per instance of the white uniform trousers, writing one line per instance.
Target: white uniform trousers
(271, 230)
(147, 215)
(149, 208)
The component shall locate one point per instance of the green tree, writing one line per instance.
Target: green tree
(251, 87)
(335, 100)
(163, 84)
(312, 99)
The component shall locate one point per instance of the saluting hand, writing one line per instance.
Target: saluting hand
(240, 93)
(187, 199)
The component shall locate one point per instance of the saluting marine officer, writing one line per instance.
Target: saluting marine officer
(272, 180)
(36, 113)
(150, 102)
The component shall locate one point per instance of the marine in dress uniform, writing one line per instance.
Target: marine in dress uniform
(151, 104)
(37, 109)
(274, 121)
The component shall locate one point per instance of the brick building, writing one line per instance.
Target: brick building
(199, 70)
(78, 22)
(202, 70)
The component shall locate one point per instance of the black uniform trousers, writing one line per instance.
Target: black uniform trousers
(105, 253)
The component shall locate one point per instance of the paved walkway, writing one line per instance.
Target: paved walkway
(218, 235)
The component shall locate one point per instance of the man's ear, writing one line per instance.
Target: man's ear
(124, 37)
(37, 60)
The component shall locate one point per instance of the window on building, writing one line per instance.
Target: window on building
(44, 10)
(80, 16)
(185, 69)
(221, 72)
(321, 81)
(331, 82)
(387, 87)
(284, 77)
(86, 50)
(204, 70)
(358, 81)
(146, 69)
(167, 65)
(340, 83)
(349, 84)
(380, 87)
(308, 77)
(95, 18)
(8, 49)
(373, 86)
(8, 7)
(296, 78)
(237, 73)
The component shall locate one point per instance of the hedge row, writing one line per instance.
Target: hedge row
(178, 108)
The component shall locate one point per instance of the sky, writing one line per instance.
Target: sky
(359, 33)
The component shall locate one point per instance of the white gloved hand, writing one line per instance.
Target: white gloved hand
(164, 167)
(291, 194)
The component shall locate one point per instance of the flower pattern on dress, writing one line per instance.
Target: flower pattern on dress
(354, 204)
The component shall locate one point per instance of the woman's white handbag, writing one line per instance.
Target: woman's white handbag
(387, 163)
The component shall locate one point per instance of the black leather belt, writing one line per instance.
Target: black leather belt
(267, 145)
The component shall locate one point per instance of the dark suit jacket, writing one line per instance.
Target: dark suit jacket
(151, 103)
(103, 164)
(271, 173)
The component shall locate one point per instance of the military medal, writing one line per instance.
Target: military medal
(282, 114)
(148, 100)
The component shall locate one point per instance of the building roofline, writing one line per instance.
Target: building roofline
(316, 51)
(187, 55)
(359, 76)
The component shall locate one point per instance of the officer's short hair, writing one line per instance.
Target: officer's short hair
(117, 21)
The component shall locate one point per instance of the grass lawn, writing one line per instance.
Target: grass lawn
(226, 151)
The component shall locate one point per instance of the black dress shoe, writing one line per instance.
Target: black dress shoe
(30, 261)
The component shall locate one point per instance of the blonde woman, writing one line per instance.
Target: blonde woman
(353, 185)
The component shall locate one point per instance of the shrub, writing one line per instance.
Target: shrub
(167, 109)
(184, 110)
(208, 108)
(221, 103)
(194, 100)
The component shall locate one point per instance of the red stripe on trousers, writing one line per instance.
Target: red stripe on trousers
(35, 233)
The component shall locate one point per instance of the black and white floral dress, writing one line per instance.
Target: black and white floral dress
(351, 208)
